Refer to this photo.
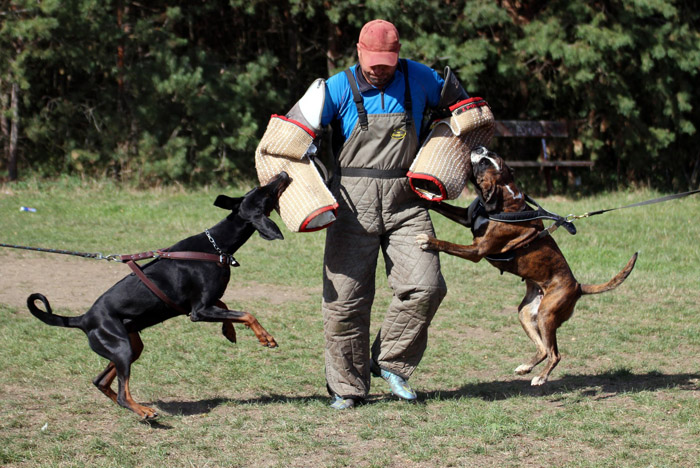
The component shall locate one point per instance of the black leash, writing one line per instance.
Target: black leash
(567, 222)
(647, 202)
(221, 257)
(96, 255)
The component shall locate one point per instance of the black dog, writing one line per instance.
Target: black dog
(113, 323)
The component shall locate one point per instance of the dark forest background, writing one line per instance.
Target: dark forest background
(164, 92)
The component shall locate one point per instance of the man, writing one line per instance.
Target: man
(378, 105)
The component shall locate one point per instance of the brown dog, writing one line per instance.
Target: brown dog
(519, 248)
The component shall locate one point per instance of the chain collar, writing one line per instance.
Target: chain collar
(226, 259)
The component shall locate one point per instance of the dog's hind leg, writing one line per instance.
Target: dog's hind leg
(104, 380)
(112, 341)
(124, 397)
(549, 336)
(527, 313)
(554, 310)
(144, 411)
(128, 402)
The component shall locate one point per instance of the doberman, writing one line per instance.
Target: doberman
(192, 287)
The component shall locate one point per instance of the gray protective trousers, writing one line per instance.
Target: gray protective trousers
(378, 211)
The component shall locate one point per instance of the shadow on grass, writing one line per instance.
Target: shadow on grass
(189, 408)
(597, 387)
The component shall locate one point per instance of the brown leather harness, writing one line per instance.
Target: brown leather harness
(221, 259)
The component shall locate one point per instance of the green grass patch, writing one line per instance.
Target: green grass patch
(626, 393)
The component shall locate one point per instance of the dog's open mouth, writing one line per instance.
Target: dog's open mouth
(280, 183)
(284, 181)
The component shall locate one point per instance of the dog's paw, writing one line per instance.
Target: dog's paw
(523, 369)
(268, 341)
(146, 413)
(538, 381)
(423, 240)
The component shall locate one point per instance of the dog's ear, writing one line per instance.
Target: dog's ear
(507, 176)
(228, 203)
(267, 228)
(487, 187)
(490, 196)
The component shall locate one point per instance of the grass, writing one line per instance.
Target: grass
(627, 392)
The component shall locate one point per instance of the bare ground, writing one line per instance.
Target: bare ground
(75, 283)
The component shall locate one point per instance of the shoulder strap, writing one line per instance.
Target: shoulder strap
(357, 97)
(155, 289)
(408, 103)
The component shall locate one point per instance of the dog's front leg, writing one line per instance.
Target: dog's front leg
(218, 314)
(455, 213)
(469, 252)
(228, 331)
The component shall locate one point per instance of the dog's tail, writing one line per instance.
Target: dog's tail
(613, 283)
(48, 317)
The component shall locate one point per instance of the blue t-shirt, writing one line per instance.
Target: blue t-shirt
(424, 82)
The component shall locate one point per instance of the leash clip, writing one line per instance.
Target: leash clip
(572, 217)
(228, 260)
(109, 258)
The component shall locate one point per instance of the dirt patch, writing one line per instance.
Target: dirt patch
(75, 283)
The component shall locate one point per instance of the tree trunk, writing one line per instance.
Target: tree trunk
(332, 52)
(12, 149)
(4, 126)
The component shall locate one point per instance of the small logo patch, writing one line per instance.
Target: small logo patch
(398, 134)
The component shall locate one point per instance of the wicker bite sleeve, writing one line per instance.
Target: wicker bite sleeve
(307, 204)
(441, 169)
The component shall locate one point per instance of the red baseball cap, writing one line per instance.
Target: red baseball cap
(379, 43)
